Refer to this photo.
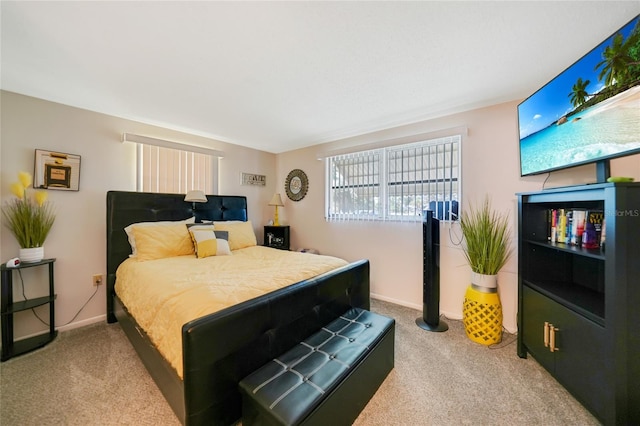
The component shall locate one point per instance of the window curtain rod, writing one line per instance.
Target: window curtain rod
(402, 140)
(131, 137)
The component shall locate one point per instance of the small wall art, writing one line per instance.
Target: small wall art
(252, 179)
(56, 170)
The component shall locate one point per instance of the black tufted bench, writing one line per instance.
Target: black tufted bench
(326, 379)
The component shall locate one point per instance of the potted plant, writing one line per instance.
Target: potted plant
(29, 220)
(486, 246)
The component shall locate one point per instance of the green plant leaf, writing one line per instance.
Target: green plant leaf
(486, 238)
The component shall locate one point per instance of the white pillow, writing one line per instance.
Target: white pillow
(132, 238)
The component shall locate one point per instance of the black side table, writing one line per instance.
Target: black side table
(8, 308)
(276, 237)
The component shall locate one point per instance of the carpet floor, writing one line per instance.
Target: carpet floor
(92, 376)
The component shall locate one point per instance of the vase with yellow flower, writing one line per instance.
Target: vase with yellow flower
(28, 219)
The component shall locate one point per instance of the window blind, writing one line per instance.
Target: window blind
(174, 171)
(396, 183)
(172, 167)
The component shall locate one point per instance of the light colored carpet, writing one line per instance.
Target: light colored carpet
(92, 376)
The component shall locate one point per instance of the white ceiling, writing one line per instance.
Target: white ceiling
(277, 76)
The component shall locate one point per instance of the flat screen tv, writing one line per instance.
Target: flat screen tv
(589, 113)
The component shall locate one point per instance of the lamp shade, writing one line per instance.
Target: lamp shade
(195, 196)
(276, 200)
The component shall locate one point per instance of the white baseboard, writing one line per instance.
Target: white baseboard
(396, 301)
(83, 323)
(449, 315)
(67, 327)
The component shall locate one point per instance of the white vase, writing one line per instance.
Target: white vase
(486, 283)
(31, 255)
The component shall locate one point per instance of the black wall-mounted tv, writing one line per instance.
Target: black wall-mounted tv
(589, 113)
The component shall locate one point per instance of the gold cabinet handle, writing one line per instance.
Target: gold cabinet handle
(546, 334)
(552, 338)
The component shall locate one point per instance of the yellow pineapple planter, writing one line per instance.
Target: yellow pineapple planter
(482, 310)
(486, 247)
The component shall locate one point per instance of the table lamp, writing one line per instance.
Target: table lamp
(195, 196)
(276, 200)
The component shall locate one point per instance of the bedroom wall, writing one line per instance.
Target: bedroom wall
(490, 166)
(77, 239)
(490, 161)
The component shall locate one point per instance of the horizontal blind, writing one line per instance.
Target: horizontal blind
(395, 183)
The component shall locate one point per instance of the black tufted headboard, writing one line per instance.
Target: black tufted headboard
(125, 208)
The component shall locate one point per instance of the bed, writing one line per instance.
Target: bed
(221, 348)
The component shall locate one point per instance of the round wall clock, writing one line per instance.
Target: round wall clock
(296, 185)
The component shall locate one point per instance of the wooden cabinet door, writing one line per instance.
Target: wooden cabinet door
(535, 314)
(580, 360)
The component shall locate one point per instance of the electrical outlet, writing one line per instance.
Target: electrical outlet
(97, 279)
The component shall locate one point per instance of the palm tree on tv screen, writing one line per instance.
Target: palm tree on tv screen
(619, 59)
(579, 93)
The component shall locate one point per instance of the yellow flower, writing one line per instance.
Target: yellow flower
(28, 220)
(41, 197)
(25, 179)
(17, 189)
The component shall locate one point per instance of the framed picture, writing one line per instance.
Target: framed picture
(252, 179)
(56, 170)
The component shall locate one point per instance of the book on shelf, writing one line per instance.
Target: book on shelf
(593, 229)
(561, 226)
(577, 226)
(568, 226)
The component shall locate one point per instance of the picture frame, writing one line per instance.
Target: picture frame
(56, 170)
(252, 179)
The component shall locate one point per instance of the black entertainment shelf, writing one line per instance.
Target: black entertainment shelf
(578, 310)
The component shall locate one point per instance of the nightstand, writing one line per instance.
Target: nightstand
(276, 237)
(8, 308)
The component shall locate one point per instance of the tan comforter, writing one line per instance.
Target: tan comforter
(164, 294)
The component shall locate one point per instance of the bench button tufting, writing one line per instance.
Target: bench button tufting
(282, 403)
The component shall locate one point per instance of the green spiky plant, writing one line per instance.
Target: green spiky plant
(487, 236)
(29, 220)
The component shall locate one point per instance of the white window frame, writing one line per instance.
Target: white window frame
(414, 185)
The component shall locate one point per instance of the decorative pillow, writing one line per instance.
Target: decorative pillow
(208, 242)
(241, 234)
(157, 242)
(131, 237)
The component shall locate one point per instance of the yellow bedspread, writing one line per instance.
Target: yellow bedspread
(164, 294)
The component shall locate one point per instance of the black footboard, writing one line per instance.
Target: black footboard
(220, 349)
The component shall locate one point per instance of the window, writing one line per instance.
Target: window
(171, 167)
(174, 171)
(396, 183)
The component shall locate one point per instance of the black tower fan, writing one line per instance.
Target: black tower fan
(431, 275)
